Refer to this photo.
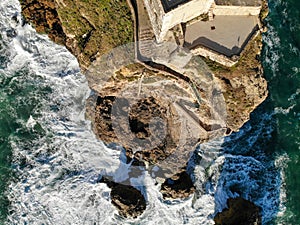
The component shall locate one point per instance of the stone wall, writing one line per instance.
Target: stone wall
(162, 22)
(156, 14)
(184, 13)
(214, 56)
(236, 10)
(219, 58)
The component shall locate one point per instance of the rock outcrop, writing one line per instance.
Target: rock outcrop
(178, 186)
(157, 116)
(128, 200)
(239, 211)
(43, 14)
(158, 113)
(244, 86)
(86, 28)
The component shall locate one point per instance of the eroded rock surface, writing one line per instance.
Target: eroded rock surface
(158, 117)
(43, 14)
(178, 186)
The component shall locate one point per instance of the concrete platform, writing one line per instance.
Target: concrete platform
(227, 35)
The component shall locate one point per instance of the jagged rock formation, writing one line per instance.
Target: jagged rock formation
(239, 211)
(178, 186)
(158, 117)
(243, 86)
(43, 14)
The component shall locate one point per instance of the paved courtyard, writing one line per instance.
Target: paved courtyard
(225, 34)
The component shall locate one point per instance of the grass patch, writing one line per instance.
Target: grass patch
(97, 25)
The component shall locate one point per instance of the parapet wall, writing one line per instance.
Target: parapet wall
(184, 13)
(162, 22)
(156, 15)
(236, 10)
(214, 56)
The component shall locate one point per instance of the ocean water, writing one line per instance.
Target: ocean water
(50, 160)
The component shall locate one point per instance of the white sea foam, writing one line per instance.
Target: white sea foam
(280, 110)
(272, 52)
(60, 184)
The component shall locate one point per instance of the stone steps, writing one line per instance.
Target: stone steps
(146, 38)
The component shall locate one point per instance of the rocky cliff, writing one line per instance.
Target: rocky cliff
(86, 28)
(158, 114)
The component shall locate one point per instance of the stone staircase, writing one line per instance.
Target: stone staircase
(146, 41)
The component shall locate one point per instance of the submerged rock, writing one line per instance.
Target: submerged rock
(239, 212)
(128, 200)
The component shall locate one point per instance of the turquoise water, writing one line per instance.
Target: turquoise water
(49, 157)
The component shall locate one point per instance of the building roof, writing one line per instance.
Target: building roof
(172, 4)
(239, 2)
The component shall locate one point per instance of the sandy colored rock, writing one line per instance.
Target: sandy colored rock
(158, 117)
(86, 28)
(43, 15)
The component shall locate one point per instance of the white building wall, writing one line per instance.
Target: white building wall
(182, 14)
(236, 10)
(162, 22)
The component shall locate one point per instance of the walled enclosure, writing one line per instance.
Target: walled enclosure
(162, 21)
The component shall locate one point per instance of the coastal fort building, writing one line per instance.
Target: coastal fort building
(218, 29)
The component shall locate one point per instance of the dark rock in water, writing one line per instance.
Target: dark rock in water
(239, 212)
(179, 186)
(11, 33)
(129, 201)
(15, 19)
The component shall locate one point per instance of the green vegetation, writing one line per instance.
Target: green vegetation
(97, 25)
